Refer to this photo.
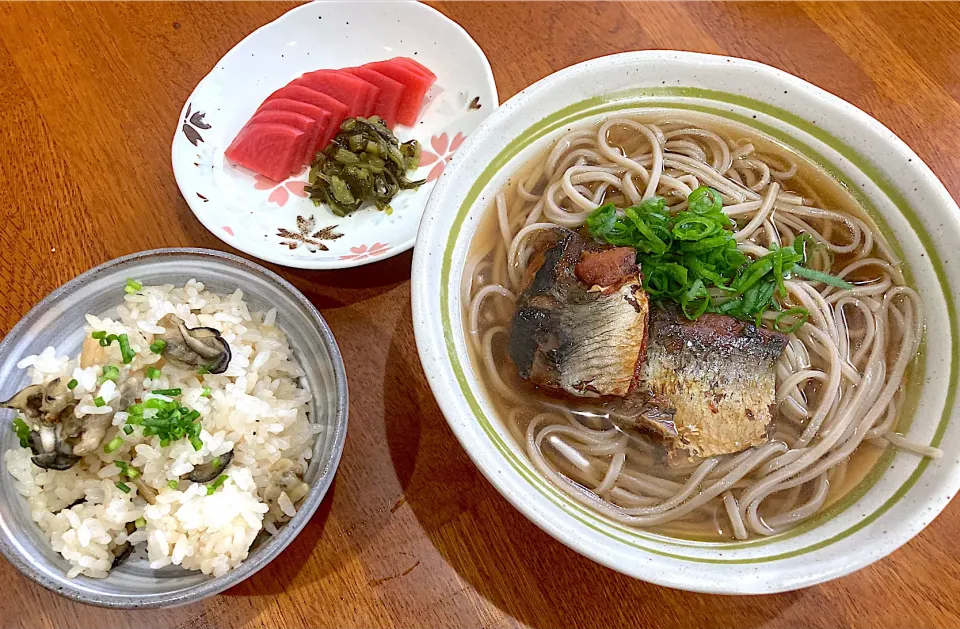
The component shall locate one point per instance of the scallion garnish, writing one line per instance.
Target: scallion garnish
(110, 372)
(122, 486)
(114, 444)
(206, 392)
(167, 392)
(204, 370)
(133, 287)
(215, 485)
(23, 431)
(139, 523)
(125, 350)
(171, 422)
(153, 373)
(128, 430)
(72, 384)
(692, 258)
(157, 346)
(819, 276)
(174, 485)
(98, 402)
(98, 335)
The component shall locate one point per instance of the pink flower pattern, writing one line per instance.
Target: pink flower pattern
(280, 192)
(444, 150)
(363, 252)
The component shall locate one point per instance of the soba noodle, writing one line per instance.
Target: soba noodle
(839, 381)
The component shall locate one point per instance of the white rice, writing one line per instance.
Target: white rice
(257, 407)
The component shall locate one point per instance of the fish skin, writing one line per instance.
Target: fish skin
(585, 341)
(717, 373)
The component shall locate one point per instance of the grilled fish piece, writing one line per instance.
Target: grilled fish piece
(710, 384)
(585, 338)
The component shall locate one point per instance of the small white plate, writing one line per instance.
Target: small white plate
(275, 221)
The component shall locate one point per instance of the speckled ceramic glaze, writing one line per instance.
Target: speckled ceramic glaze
(897, 498)
(58, 321)
(275, 221)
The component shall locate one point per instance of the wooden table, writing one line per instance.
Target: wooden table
(411, 534)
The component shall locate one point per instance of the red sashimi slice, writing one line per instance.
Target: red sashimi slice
(416, 66)
(391, 92)
(298, 121)
(320, 116)
(353, 91)
(338, 111)
(415, 87)
(271, 149)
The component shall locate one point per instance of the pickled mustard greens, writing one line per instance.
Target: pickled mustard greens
(364, 164)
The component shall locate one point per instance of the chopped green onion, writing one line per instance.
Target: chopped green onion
(205, 369)
(820, 276)
(195, 442)
(139, 523)
(22, 430)
(800, 316)
(98, 402)
(157, 346)
(72, 384)
(128, 430)
(123, 487)
(110, 372)
(215, 485)
(114, 444)
(216, 461)
(153, 373)
(132, 472)
(164, 443)
(206, 392)
(125, 350)
(174, 485)
(133, 287)
(99, 335)
(167, 392)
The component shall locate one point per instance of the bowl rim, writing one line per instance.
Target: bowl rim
(269, 551)
(428, 312)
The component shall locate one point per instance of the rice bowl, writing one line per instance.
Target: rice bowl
(224, 502)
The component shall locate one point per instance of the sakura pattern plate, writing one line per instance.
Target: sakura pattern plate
(275, 221)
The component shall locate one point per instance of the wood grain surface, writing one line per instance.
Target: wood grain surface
(411, 534)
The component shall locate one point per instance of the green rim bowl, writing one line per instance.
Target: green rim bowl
(897, 498)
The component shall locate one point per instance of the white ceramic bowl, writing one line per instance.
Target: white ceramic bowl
(895, 501)
(275, 221)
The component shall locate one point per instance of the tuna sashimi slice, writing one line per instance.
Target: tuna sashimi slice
(415, 65)
(320, 116)
(391, 92)
(298, 121)
(270, 149)
(338, 111)
(351, 90)
(415, 88)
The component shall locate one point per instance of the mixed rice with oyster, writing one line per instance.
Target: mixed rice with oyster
(181, 429)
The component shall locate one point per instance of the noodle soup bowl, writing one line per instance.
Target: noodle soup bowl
(900, 493)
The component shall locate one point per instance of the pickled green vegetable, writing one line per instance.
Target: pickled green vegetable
(364, 164)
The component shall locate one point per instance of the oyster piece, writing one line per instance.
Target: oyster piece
(206, 472)
(193, 348)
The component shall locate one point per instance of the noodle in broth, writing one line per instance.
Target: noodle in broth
(840, 380)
